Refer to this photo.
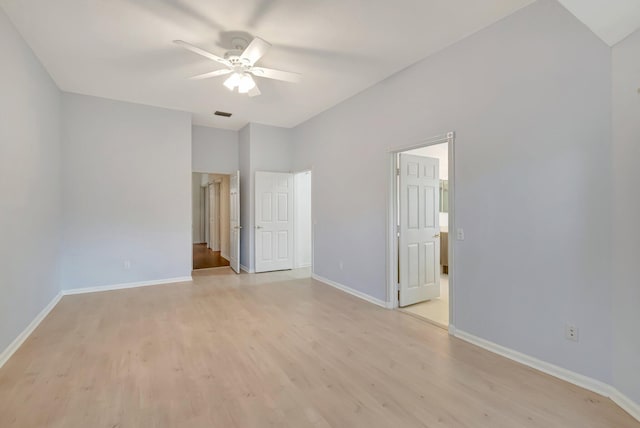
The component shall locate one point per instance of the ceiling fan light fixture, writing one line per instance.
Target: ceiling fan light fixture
(240, 65)
(246, 84)
(233, 81)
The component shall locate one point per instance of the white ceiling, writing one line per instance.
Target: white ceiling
(611, 20)
(121, 49)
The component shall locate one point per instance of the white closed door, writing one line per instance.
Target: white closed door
(419, 241)
(234, 222)
(274, 221)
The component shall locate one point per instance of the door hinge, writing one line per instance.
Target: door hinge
(398, 171)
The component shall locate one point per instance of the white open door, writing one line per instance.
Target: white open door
(419, 242)
(274, 221)
(234, 221)
(214, 217)
(207, 214)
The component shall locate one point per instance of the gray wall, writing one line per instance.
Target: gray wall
(29, 185)
(214, 150)
(529, 98)
(626, 209)
(262, 148)
(127, 192)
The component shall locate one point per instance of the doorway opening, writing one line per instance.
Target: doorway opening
(421, 256)
(303, 227)
(211, 219)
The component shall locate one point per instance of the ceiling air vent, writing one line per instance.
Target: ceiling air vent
(222, 113)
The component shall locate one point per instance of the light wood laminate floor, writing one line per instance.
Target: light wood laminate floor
(270, 350)
(435, 310)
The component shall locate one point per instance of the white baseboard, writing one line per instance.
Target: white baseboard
(226, 256)
(361, 295)
(551, 369)
(627, 404)
(582, 381)
(125, 285)
(18, 341)
(246, 269)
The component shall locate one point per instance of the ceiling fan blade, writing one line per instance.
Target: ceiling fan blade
(254, 92)
(270, 73)
(197, 50)
(212, 74)
(256, 50)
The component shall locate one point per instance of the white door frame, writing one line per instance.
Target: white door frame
(235, 227)
(202, 238)
(392, 220)
(309, 170)
(207, 216)
(214, 216)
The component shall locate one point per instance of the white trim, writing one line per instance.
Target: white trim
(246, 269)
(578, 379)
(551, 369)
(125, 285)
(18, 341)
(392, 244)
(356, 293)
(627, 404)
(451, 227)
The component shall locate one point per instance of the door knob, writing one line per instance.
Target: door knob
(258, 227)
(437, 235)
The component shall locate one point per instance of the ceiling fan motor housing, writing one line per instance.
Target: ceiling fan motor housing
(234, 57)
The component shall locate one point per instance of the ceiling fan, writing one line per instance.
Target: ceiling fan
(240, 63)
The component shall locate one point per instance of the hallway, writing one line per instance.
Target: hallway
(204, 258)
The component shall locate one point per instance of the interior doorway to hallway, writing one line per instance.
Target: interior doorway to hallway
(303, 228)
(210, 223)
(422, 215)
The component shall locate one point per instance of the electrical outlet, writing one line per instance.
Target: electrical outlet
(341, 265)
(127, 264)
(571, 332)
(460, 234)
